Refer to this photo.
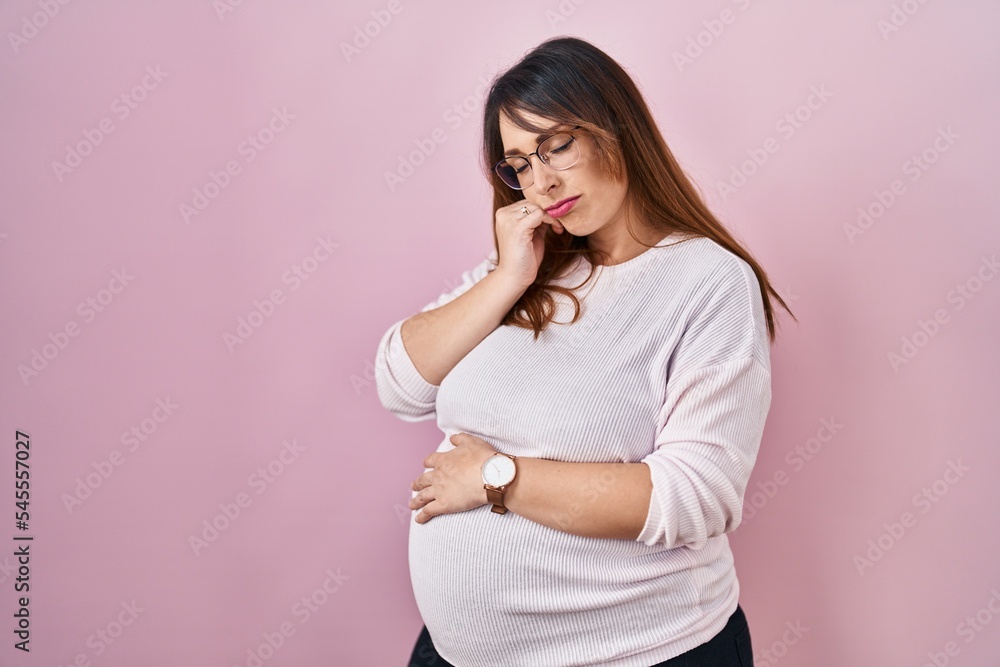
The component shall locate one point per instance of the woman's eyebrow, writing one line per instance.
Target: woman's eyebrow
(538, 138)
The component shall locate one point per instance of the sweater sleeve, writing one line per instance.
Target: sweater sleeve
(718, 393)
(401, 388)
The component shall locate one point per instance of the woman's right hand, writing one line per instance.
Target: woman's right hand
(522, 240)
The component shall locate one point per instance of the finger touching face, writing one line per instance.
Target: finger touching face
(596, 200)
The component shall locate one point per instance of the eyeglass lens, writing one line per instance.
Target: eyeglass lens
(558, 151)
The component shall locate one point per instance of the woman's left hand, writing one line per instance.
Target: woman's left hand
(456, 482)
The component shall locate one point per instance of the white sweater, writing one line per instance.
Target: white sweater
(669, 365)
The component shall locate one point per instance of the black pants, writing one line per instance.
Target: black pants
(730, 648)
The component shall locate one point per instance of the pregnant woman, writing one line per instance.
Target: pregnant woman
(602, 380)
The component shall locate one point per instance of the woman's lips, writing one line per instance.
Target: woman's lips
(562, 210)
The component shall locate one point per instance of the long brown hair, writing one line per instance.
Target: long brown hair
(570, 81)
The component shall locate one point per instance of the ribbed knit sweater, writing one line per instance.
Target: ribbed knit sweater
(668, 365)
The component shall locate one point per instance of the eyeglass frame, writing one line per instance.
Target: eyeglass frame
(540, 158)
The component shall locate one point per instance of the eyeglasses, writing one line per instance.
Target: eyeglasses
(559, 151)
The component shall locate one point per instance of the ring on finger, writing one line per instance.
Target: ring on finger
(524, 209)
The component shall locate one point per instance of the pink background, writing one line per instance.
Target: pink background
(333, 513)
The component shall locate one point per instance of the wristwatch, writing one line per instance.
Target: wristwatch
(498, 472)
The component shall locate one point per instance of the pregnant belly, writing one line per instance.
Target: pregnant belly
(478, 570)
(464, 561)
(480, 578)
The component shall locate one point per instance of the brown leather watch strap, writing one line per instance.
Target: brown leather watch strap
(495, 496)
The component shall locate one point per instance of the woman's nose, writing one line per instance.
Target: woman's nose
(544, 177)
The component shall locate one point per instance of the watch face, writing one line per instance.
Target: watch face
(498, 470)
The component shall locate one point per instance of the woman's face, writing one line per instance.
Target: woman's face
(601, 200)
